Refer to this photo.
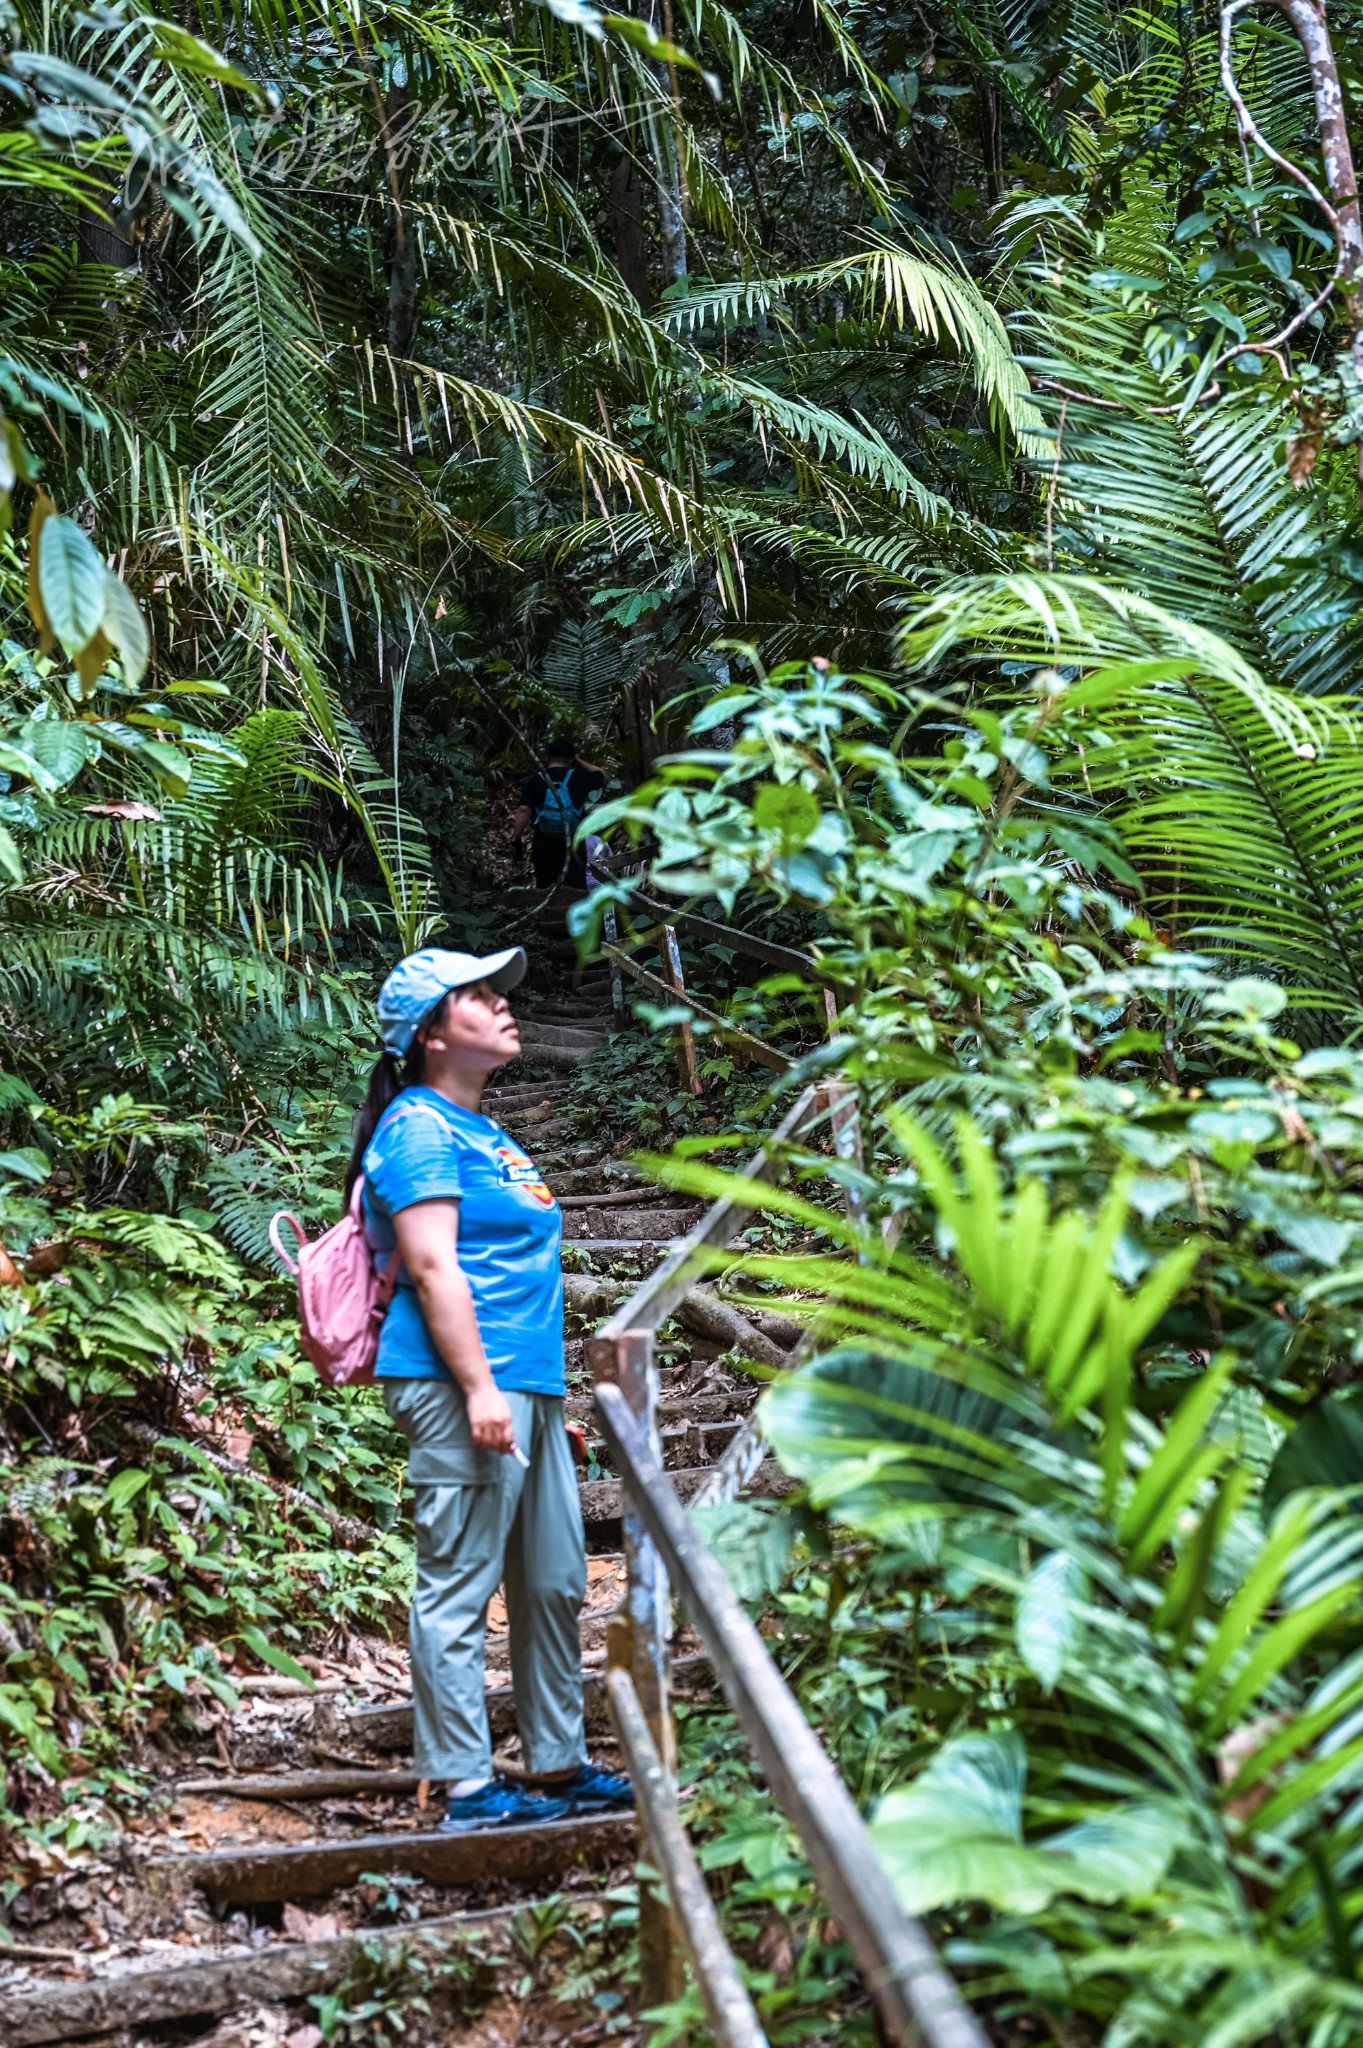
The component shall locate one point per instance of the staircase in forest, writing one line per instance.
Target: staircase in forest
(252, 1885)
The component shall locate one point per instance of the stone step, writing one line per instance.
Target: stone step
(533, 1034)
(609, 1248)
(600, 1179)
(549, 1090)
(685, 1445)
(536, 1053)
(614, 1196)
(633, 1226)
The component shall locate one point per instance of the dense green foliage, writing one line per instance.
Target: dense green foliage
(1101, 1642)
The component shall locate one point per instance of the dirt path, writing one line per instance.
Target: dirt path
(297, 1856)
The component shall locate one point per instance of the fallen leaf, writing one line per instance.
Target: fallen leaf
(300, 1925)
(124, 808)
(1302, 451)
(307, 2036)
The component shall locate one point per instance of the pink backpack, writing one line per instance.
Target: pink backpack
(342, 1301)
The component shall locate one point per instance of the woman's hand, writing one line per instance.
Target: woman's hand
(490, 1417)
(428, 1245)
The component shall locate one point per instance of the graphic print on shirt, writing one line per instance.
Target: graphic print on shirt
(520, 1172)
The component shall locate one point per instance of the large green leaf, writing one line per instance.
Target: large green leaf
(1050, 1615)
(751, 1540)
(956, 1834)
(125, 628)
(11, 860)
(72, 578)
(870, 1433)
(1325, 1449)
(60, 746)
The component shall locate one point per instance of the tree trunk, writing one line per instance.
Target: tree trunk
(667, 158)
(626, 209)
(670, 221)
(988, 107)
(100, 239)
(1313, 33)
(402, 310)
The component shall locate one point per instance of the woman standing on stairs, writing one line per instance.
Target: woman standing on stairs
(471, 1364)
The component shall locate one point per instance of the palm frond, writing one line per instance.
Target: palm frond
(1199, 505)
(900, 285)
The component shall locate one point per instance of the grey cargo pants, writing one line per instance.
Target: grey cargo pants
(480, 1518)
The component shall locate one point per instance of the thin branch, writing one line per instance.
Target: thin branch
(1054, 486)
(1115, 405)
(1249, 129)
(1273, 348)
(1080, 397)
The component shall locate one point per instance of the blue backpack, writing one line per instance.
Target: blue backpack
(558, 814)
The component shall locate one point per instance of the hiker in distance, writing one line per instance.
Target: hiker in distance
(555, 805)
(470, 1362)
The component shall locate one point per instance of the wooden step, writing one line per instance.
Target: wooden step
(63, 2011)
(614, 1247)
(527, 1091)
(602, 1498)
(636, 1226)
(389, 1728)
(561, 1035)
(686, 1444)
(270, 1873)
(538, 1053)
(610, 1177)
(335, 1784)
(725, 1410)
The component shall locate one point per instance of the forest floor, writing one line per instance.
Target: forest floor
(285, 1882)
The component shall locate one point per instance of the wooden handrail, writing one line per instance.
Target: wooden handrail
(756, 1048)
(728, 935)
(916, 1998)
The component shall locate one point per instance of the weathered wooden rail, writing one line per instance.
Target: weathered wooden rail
(917, 2001)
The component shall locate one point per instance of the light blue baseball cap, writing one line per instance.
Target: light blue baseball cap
(417, 984)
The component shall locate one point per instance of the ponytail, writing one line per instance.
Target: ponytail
(386, 1083)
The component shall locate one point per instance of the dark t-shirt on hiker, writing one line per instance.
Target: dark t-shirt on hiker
(551, 815)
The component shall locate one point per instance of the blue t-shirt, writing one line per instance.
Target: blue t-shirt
(427, 1148)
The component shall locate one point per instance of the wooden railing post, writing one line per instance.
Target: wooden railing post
(729, 2009)
(672, 975)
(617, 979)
(638, 1642)
(845, 1123)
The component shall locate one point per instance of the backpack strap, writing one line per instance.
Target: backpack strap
(289, 1263)
(387, 1280)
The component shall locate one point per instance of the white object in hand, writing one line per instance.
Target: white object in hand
(519, 1455)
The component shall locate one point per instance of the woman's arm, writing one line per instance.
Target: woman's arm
(428, 1240)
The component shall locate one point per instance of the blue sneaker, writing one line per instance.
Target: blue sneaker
(593, 1790)
(500, 1804)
